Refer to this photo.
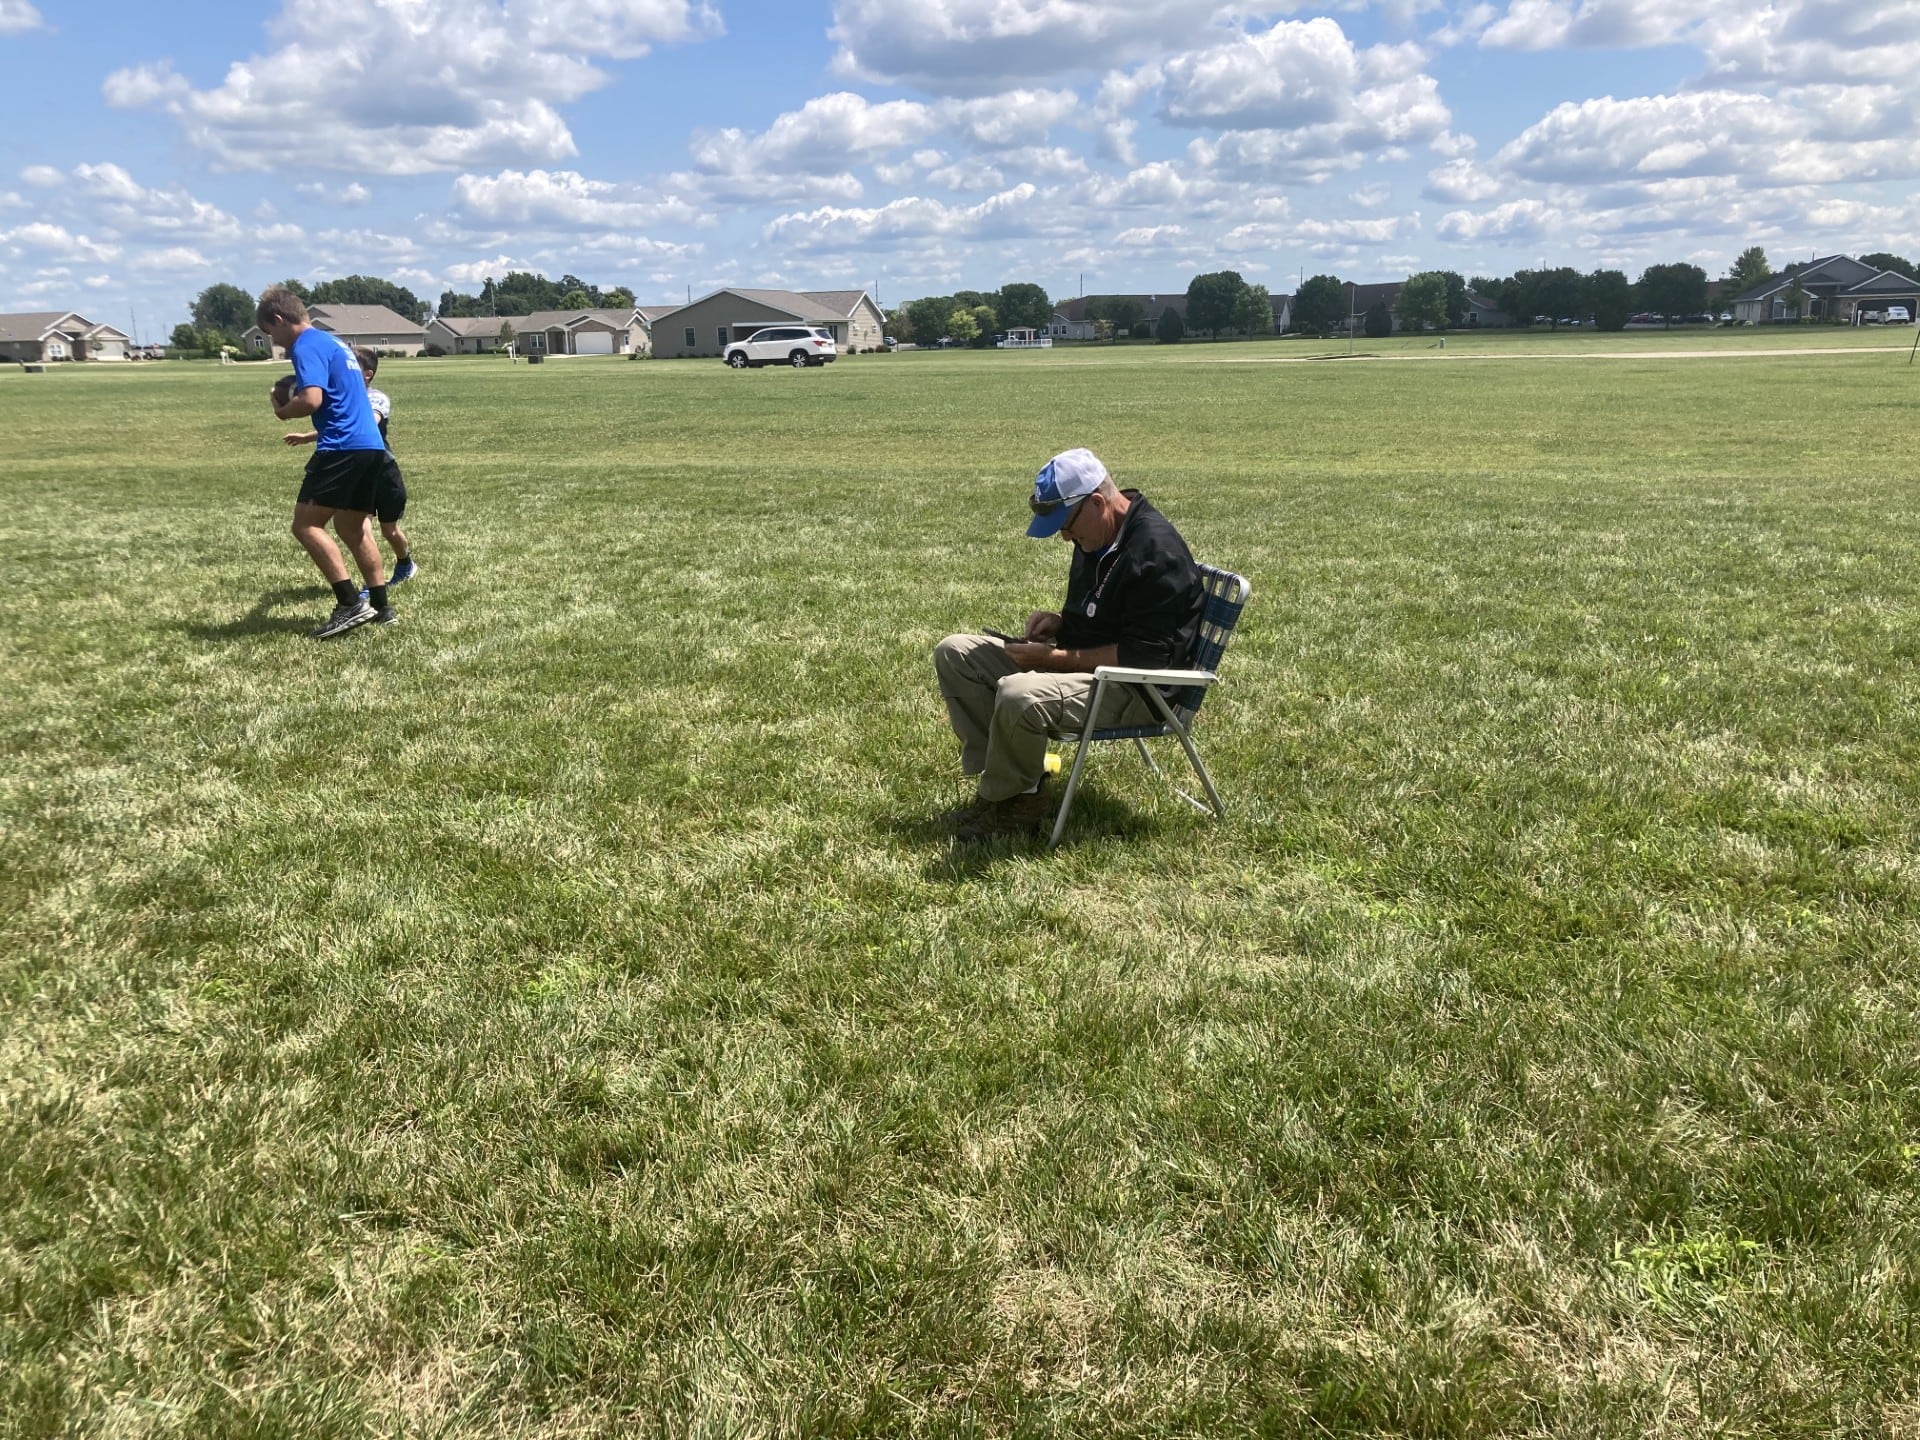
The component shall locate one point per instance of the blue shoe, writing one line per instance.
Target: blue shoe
(404, 572)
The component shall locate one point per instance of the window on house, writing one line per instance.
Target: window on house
(691, 342)
(723, 337)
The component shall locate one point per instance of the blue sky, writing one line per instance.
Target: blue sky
(922, 146)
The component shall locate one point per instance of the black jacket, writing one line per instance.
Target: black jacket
(1142, 593)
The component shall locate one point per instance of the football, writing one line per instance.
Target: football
(283, 389)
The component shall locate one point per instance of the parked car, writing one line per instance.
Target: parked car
(1897, 315)
(795, 345)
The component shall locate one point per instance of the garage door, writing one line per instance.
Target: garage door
(593, 342)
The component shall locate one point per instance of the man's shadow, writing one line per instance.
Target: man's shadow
(261, 619)
(1096, 815)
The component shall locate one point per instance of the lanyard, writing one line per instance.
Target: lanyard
(1101, 578)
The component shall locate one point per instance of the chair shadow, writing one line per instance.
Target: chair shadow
(1095, 816)
(260, 620)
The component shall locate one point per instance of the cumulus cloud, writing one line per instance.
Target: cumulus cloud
(372, 87)
(831, 133)
(109, 194)
(969, 46)
(1300, 102)
(563, 198)
(1516, 220)
(174, 259)
(17, 17)
(1812, 41)
(1460, 181)
(1796, 138)
(1618, 24)
(1011, 212)
(55, 241)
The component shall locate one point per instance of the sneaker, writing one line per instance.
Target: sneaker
(404, 572)
(386, 615)
(344, 618)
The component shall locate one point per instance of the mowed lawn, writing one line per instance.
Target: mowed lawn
(559, 1015)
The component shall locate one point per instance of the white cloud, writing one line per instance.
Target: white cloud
(1012, 212)
(1151, 237)
(43, 176)
(350, 193)
(820, 138)
(1800, 137)
(1813, 41)
(369, 86)
(1516, 220)
(1460, 181)
(1298, 102)
(1616, 24)
(56, 240)
(174, 259)
(967, 46)
(17, 17)
(561, 198)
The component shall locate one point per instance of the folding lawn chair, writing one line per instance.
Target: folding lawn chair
(1227, 596)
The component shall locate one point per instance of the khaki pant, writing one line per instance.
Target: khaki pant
(1004, 717)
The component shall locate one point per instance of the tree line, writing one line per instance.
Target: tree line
(1219, 303)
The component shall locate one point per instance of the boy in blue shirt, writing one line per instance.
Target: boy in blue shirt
(348, 465)
(391, 499)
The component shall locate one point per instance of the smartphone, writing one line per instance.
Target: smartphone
(1009, 639)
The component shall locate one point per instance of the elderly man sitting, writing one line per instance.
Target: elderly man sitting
(1134, 598)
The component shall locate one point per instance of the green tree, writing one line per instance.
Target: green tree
(962, 327)
(1796, 299)
(986, 322)
(618, 298)
(1211, 300)
(900, 325)
(1746, 272)
(1456, 298)
(1320, 306)
(1253, 312)
(522, 292)
(1610, 298)
(1171, 327)
(226, 308)
(928, 317)
(369, 290)
(299, 288)
(1883, 260)
(1558, 294)
(1023, 306)
(576, 299)
(505, 336)
(184, 337)
(1423, 302)
(1122, 311)
(1141, 330)
(1671, 290)
(1379, 320)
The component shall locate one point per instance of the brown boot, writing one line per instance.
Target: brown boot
(1016, 815)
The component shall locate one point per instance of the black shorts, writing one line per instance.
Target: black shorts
(390, 499)
(345, 479)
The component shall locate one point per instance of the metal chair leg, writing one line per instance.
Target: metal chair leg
(1079, 760)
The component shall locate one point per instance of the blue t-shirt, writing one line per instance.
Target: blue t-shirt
(345, 419)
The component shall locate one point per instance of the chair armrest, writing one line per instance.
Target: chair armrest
(1154, 677)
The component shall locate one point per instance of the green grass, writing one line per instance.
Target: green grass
(558, 1016)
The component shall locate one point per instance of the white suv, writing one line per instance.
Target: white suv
(795, 345)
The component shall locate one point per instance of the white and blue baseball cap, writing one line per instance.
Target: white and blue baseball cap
(1063, 482)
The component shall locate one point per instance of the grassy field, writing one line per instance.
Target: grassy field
(557, 1015)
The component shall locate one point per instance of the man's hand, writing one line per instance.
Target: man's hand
(301, 437)
(1029, 654)
(1043, 625)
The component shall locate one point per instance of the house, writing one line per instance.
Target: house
(713, 322)
(374, 326)
(1833, 287)
(465, 334)
(1484, 314)
(38, 336)
(1071, 320)
(578, 332)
